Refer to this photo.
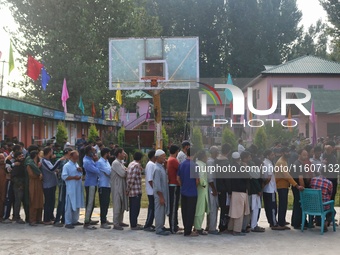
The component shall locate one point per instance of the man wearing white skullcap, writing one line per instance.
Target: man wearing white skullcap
(239, 198)
(161, 193)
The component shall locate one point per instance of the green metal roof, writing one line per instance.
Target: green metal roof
(325, 101)
(305, 65)
(139, 94)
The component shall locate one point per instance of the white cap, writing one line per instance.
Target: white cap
(159, 152)
(235, 155)
(67, 143)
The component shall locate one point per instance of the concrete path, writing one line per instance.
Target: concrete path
(23, 239)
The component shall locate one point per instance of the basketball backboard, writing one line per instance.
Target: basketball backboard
(134, 61)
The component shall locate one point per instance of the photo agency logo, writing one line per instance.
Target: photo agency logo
(241, 102)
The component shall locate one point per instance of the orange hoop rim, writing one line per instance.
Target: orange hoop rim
(158, 78)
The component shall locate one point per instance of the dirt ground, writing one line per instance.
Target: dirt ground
(24, 239)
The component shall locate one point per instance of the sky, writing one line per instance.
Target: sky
(311, 12)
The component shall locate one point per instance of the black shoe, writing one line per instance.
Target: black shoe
(94, 222)
(69, 226)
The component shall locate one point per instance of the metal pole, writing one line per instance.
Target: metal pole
(19, 128)
(3, 127)
(2, 76)
(158, 118)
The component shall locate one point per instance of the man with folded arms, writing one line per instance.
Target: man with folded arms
(91, 182)
(72, 175)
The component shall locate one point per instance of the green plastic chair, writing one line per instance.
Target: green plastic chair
(311, 204)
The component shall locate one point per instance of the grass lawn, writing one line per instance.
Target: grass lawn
(144, 203)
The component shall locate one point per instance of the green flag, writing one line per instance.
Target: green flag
(81, 105)
(11, 59)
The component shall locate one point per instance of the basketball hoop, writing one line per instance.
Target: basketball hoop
(153, 80)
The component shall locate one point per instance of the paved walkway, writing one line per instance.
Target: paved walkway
(23, 239)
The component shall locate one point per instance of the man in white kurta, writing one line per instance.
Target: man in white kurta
(72, 175)
(118, 190)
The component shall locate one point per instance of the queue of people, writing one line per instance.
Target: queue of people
(30, 178)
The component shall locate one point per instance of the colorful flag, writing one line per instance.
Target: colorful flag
(103, 113)
(33, 68)
(81, 105)
(11, 59)
(289, 123)
(227, 92)
(250, 115)
(45, 78)
(312, 118)
(119, 96)
(64, 95)
(110, 116)
(93, 110)
(270, 96)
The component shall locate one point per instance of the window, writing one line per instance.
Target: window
(315, 86)
(255, 97)
(212, 110)
(333, 129)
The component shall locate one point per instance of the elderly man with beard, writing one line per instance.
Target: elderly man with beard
(72, 175)
(161, 193)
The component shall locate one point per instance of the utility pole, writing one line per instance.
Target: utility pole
(2, 76)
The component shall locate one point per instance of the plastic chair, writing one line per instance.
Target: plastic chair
(311, 204)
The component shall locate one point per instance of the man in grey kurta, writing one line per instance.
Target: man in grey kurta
(118, 190)
(161, 193)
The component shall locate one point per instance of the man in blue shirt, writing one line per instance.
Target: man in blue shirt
(80, 142)
(91, 182)
(104, 187)
(188, 180)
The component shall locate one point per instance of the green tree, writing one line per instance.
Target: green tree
(176, 128)
(71, 38)
(278, 133)
(229, 137)
(121, 137)
(61, 136)
(260, 139)
(278, 29)
(165, 138)
(93, 133)
(312, 42)
(197, 139)
(243, 38)
(332, 7)
(205, 19)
